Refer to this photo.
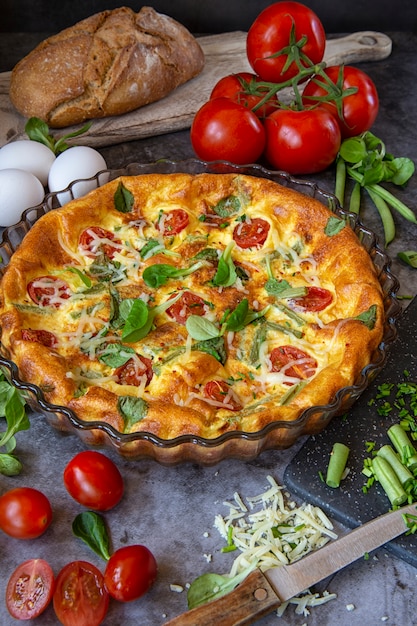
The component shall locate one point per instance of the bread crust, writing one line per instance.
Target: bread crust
(108, 64)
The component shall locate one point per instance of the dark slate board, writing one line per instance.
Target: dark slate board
(348, 504)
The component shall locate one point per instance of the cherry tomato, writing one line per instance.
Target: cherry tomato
(359, 110)
(188, 304)
(133, 371)
(45, 337)
(130, 573)
(80, 597)
(295, 362)
(30, 589)
(316, 299)
(94, 241)
(173, 222)
(245, 88)
(48, 291)
(93, 480)
(251, 233)
(25, 513)
(270, 33)
(225, 130)
(220, 391)
(302, 142)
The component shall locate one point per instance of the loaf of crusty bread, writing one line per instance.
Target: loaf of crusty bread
(108, 64)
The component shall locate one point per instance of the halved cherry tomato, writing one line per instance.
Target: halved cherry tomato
(48, 291)
(130, 572)
(30, 589)
(297, 363)
(188, 304)
(173, 222)
(45, 337)
(316, 299)
(25, 513)
(80, 597)
(247, 89)
(95, 240)
(133, 371)
(225, 130)
(251, 233)
(93, 480)
(220, 391)
(270, 33)
(302, 142)
(359, 110)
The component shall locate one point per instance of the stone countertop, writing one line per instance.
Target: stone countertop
(172, 510)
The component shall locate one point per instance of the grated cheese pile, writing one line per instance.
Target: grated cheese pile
(270, 532)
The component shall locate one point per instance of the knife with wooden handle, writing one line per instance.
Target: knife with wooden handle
(260, 593)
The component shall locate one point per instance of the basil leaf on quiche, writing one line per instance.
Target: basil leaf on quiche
(226, 271)
(157, 275)
(132, 410)
(116, 354)
(227, 206)
(215, 347)
(123, 199)
(368, 317)
(334, 226)
(200, 328)
(283, 289)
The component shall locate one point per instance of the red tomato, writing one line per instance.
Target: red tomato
(245, 88)
(220, 391)
(44, 337)
(252, 233)
(93, 480)
(297, 363)
(133, 371)
(130, 573)
(25, 513)
(173, 222)
(48, 290)
(316, 299)
(302, 142)
(80, 597)
(359, 110)
(270, 33)
(94, 241)
(189, 304)
(225, 130)
(30, 588)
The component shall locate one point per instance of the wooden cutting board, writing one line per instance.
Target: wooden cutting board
(225, 54)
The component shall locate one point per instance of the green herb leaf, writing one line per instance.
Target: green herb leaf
(368, 317)
(123, 199)
(91, 528)
(211, 586)
(334, 226)
(215, 347)
(115, 354)
(136, 315)
(283, 289)
(153, 246)
(200, 328)
(37, 130)
(157, 275)
(227, 206)
(132, 410)
(226, 271)
(9, 465)
(83, 277)
(409, 257)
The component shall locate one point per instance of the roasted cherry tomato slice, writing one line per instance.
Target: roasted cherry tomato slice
(220, 391)
(316, 299)
(45, 337)
(251, 233)
(94, 481)
(80, 596)
(245, 88)
(295, 362)
(30, 589)
(130, 572)
(133, 371)
(95, 240)
(188, 304)
(25, 513)
(48, 291)
(173, 222)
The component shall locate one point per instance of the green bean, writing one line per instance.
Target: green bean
(337, 464)
(403, 473)
(389, 481)
(385, 215)
(403, 446)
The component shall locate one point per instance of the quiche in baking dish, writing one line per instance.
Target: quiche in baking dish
(191, 304)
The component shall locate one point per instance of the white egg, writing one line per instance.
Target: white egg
(76, 163)
(31, 156)
(19, 190)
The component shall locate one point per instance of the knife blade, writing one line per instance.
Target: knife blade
(260, 593)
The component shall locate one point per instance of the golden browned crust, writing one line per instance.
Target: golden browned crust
(341, 337)
(108, 64)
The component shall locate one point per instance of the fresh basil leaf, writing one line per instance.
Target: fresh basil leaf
(283, 289)
(404, 169)
(208, 254)
(227, 206)
(353, 150)
(236, 320)
(152, 246)
(9, 465)
(123, 199)
(83, 277)
(136, 318)
(115, 355)
(368, 317)
(211, 586)
(334, 226)
(226, 271)
(200, 328)
(90, 527)
(215, 347)
(132, 410)
(157, 275)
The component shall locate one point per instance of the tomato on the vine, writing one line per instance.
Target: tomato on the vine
(130, 572)
(270, 33)
(302, 142)
(25, 513)
(359, 110)
(93, 480)
(247, 89)
(225, 130)
(80, 596)
(30, 589)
